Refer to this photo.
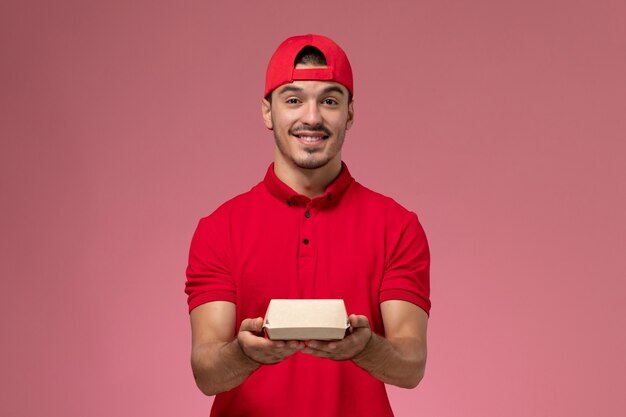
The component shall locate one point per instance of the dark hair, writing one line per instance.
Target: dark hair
(310, 55)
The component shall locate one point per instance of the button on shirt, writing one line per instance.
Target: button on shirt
(271, 242)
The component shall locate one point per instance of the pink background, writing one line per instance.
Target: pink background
(501, 123)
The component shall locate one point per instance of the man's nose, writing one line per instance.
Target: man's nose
(312, 115)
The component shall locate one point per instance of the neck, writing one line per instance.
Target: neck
(308, 182)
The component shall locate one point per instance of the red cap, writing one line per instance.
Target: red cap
(281, 69)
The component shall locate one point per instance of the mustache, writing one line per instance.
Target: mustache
(306, 128)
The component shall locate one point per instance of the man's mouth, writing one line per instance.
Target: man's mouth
(310, 137)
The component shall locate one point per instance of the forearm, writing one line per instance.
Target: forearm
(399, 362)
(220, 367)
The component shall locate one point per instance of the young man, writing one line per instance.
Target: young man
(308, 230)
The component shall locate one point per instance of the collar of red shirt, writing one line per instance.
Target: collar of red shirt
(283, 192)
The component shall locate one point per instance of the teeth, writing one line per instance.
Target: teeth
(310, 138)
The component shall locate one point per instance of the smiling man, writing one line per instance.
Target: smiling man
(308, 230)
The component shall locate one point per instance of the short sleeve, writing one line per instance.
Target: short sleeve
(209, 276)
(407, 269)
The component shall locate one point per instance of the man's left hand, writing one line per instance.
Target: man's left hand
(349, 347)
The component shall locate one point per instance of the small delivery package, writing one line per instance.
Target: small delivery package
(300, 319)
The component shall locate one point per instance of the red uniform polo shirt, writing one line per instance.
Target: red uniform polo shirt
(350, 243)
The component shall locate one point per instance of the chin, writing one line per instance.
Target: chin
(311, 164)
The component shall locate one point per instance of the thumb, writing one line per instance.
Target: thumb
(359, 321)
(252, 325)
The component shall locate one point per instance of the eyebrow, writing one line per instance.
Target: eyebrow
(333, 88)
(288, 88)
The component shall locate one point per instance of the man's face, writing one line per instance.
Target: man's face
(309, 120)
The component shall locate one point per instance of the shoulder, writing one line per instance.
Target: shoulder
(376, 203)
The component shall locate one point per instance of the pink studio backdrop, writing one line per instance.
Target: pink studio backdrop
(501, 123)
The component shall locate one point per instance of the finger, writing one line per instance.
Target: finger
(252, 341)
(332, 347)
(295, 345)
(316, 344)
(270, 353)
(263, 350)
(324, 354)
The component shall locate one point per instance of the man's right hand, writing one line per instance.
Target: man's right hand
(219, 360)
(262, 350)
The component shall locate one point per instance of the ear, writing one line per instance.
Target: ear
(350, 115)
(266, 111)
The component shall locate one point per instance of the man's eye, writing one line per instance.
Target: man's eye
(292, 101)
(329, 101)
